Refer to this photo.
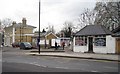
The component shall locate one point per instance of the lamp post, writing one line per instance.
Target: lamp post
(39, 28)
(2, 38)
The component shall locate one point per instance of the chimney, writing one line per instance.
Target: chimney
(24, 21)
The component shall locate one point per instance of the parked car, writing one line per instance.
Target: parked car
(25, 45)
(16, 44)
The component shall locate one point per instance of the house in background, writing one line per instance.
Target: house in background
(60, 41)
(94, 38)
(45, 39)
(18, 32)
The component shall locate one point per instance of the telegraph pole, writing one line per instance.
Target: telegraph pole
(39, 28)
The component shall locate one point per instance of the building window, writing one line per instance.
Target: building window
(81, 41)
(100, 41)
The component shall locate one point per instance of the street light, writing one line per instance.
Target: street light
(39, 28)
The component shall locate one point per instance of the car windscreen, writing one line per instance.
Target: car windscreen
(27, 44)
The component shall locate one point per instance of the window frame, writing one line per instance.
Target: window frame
(100, 37)
(81, 41)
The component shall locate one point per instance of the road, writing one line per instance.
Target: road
(16, 60)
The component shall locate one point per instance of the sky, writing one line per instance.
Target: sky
(53, 12)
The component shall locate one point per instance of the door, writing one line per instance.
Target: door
(118, 45)
(50, 43)
(90, 44)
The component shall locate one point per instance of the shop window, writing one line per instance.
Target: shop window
(81, 41)
(100, 41)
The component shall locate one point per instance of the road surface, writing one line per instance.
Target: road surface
(16, 60)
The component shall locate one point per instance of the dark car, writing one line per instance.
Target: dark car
(25, 45)
(15, 44)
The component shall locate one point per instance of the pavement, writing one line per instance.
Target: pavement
(71, 54)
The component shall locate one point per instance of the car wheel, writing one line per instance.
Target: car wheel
(20, 48)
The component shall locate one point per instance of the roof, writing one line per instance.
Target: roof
(92, 30)
(19, 24)
(45, 34)
(116, 32)
(54, 36)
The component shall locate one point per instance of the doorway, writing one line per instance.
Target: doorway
(90, 44)
(118, 45)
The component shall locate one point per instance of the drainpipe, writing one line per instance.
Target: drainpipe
(13, 38)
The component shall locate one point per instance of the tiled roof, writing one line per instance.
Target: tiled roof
(19, 24)
(44, 35)
(91, 30)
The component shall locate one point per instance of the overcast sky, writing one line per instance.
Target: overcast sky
(53, 12)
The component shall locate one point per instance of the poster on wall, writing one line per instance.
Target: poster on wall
(79, 41)
(100, 42)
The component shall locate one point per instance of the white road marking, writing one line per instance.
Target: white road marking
(62, 67)
(94, 71)
(34, 63)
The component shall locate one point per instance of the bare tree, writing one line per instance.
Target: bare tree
(67, 24)
(68, 27)
(6, 22)
(108, 14)
(87, 18)
(51, 29)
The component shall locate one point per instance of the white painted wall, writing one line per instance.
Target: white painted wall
(111, 44)
(58, 40)
(43, 42)
(13, 35)
(53, 42)
(99, 49)
(109, 48)
(47, 41)
(8, 41)
(79, 48)
(8, 32)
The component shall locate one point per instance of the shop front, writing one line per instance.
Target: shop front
(94, 39)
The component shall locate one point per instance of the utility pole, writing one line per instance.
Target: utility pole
(39, 28)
